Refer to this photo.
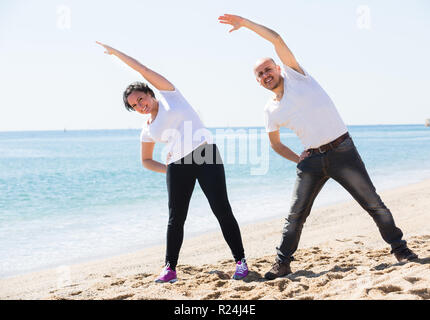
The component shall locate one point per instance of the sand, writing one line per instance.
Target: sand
(341, 256)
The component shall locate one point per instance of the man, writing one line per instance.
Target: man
(299, 103)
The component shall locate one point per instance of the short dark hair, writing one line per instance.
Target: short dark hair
(136, 86)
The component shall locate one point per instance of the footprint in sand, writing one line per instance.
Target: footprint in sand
(282, 284)
(137, 284)
(244, 288)
(309, 266)
(189, 269)
(262, 261)
(213, 295)
(295, 290)
(385, 289)
(412, 279)
(117, 283)
(323, 281)
(142, 276)
(423, 293)
(335, 276)
(220, 283)
(322, 257)
(221, 274)
(121, 297)
(257, 297)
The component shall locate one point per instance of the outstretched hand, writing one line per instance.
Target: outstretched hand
(109, 50)
(235, 21)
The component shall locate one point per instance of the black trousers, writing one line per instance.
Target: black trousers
(345, 166)
(204, 165)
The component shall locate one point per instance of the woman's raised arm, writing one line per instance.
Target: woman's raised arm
(157, 80)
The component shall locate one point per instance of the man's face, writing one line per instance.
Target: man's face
(268, 74)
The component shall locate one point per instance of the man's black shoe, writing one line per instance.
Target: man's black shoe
(405, 254)
(278, 270)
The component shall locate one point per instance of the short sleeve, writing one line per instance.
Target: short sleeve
(174, 98)
(269, 122)
(291, 73)
(172, 93)
(145, 135)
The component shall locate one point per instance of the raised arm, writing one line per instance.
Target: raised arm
(157, 80)
(282, 50)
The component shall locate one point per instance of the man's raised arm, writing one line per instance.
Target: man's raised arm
(284, 53)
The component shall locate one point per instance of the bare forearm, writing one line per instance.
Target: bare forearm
(154, 165)
(147, 73)
(268, 34)
(131, 62)
(286, 152)
(262, 31)
(157, 80)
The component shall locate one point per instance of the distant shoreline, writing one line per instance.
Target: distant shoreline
(217, 127)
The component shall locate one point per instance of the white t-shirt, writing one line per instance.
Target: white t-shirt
(177, 124)
(306, 109)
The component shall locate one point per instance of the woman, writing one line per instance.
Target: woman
(190, 157)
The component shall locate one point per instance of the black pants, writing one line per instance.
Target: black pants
(344, 165)
(205, 165)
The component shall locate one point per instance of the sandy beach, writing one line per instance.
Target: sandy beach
(341, 256)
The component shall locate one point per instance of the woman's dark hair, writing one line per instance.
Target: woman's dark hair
(136, 86)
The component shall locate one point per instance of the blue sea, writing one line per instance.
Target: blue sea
(74, 196)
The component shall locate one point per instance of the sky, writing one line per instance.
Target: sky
(372, 58)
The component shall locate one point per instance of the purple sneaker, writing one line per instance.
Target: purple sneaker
(241, 270)
(167, 275)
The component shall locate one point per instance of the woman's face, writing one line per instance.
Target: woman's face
(141, 102)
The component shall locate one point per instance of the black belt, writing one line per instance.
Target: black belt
(331, 145)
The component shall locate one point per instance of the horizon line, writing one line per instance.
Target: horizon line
(208, 127)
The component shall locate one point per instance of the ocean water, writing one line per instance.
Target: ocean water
(74, 196)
